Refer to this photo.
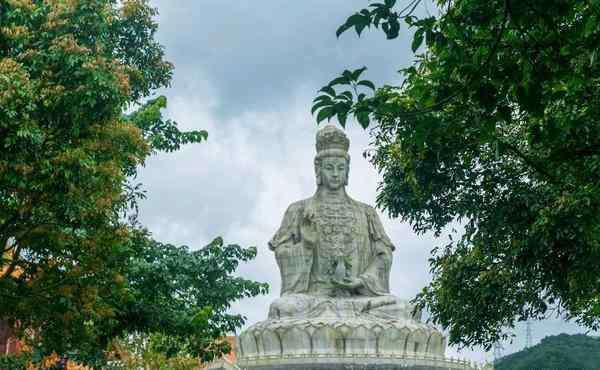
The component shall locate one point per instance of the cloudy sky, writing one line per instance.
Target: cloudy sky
(247, 72)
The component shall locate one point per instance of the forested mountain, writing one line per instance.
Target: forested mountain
(560, 352)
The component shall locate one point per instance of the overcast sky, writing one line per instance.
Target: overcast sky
(247, 72)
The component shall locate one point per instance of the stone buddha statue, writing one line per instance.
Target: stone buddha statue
(332, 251)
(335, 310)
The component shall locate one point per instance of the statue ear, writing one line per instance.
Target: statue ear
(347, 170)
(318, 172)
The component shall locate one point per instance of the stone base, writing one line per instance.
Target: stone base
(366, 363)
(349, 367)
(353, 334)
(334, 337)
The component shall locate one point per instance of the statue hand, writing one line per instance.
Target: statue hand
(348, 283)
(281, 250)
(308, 226)
(309, 214)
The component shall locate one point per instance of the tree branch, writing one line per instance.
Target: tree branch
(13, 263)
(8, 223)
(414, 5)
(450, 97)
(532, 164)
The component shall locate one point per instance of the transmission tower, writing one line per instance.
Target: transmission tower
(528, 340)
(498, 350)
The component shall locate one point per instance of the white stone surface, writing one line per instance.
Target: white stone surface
(340, 336)
(335, 258)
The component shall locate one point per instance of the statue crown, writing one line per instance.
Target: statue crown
(331, 137)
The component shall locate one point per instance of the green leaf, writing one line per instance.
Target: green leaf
(366, 14)
(429, 37)
(352, 21)
(363, 119)
(342, 107)
(417, 39)
(339, 81)
(393, 29)
(359, 27)
(328, 90)
(357, 72)
(342, 118)
(591, 26)
(319, 105)
(343, 28)
(321, 98)
(347, 95)
(325, 113)
(367, 83)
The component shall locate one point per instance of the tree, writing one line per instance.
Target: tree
(183, 296)
(75, 267)
(140, 352)
(495, 129)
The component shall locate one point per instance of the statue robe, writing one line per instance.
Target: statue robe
(314, 233)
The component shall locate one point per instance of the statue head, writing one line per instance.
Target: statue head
(332, 162)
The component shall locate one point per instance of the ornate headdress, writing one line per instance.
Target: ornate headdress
(331, 141)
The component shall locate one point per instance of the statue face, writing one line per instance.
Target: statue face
(334, 172)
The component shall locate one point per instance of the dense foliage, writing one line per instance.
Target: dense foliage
(13, 362)
(494, 130)
(145, 352)
(185, 294)
(76, 270)
(576, 352)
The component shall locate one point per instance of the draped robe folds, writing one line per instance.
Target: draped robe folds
(315, 232)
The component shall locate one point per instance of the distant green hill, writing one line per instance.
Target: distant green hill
(560, 352)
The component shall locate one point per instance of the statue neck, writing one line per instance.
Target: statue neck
(330, 194)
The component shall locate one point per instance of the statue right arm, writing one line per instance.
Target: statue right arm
(293, 257)
(298, 225)
(289, 231)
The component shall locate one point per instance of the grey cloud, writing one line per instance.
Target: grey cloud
(257, 50)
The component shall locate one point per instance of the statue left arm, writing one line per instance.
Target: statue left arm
(376, 276)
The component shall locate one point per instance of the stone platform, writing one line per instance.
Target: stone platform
(332, 336)
(344, 340)
(364, 363)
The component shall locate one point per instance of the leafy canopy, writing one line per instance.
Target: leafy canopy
(496, 128)
(76, 270)
(184, 296)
